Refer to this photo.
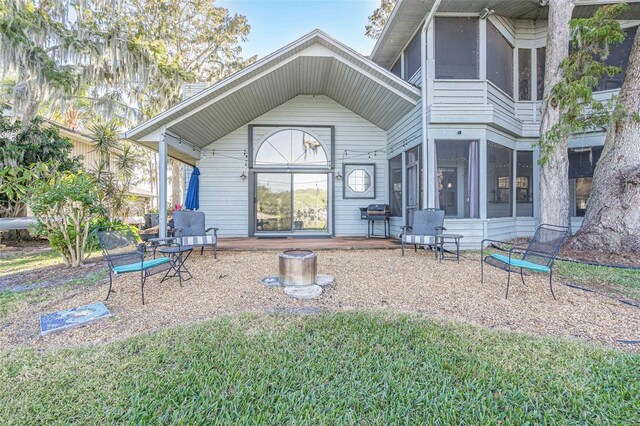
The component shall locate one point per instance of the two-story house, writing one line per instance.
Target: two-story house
(444, 113)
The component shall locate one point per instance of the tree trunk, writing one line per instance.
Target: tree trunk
(612, 220)
(554, 183)
(175, 182)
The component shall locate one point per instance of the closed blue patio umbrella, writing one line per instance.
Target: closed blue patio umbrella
(192, 200)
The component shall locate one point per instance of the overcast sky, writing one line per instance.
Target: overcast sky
(275, 23)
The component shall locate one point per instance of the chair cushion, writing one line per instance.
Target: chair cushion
(419, 239)
(189, 223)
(140, 266)
(202, 240)
(521, 263)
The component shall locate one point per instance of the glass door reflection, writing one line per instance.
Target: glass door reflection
(310, 201)
(290, 202)
(273, 202)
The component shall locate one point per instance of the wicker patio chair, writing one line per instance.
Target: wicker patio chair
(427, 224)
(125, 255)
(190, 231)
(538, 256)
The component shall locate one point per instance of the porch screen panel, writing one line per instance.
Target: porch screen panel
(541, 56)
(397, 68)
(457, 174)
(413, 168)
(412, 57)
(524, 74)
(524, 184)
(618, 57)
(395, 185)
(582, 164)
(456, 48)
(499, 60)
(499, 181)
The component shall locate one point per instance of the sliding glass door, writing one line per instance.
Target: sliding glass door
(291, 202)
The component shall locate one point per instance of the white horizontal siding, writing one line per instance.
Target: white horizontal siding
(224, 197)
(416, 78)
(576, 223)
(458, 92)
(471, 229)
(406, 133)
(526, 226)
(502, 229)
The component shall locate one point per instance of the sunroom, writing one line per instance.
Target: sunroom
(480, 66)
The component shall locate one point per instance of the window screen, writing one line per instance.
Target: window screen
(541, 56)
(412, 57)
(397, 68)
(499, 60)
(395, 185)
(524, 74)
(618, 57)
(524, 184)
(456, 48)
(499, 180)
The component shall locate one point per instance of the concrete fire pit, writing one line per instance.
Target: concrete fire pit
(298, 274)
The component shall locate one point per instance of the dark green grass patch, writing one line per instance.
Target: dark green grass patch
(625, 281)
(11, 301)
(19, 263)
(331, 369)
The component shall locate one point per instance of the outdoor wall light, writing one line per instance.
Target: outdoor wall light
(339, 177)
(243, 176)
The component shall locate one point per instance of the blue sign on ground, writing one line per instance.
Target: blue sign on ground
(71, 318)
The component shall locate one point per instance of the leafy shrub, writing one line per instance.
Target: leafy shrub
(65, 204)
(103, 222)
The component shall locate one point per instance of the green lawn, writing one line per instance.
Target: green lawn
(11, 301)
(626, 281)
(331, 369)
(21, 263)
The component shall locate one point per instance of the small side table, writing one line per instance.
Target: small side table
(156, 243)
(448, 238)
(179, 255)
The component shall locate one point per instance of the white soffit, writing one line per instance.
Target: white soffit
(312, 65)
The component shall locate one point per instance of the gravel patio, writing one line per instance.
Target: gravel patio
(366, 279)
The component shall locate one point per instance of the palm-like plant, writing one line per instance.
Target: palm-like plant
(115, 179)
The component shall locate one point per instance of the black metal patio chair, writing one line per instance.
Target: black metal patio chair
(125, 255)
(538, 256)
(427, 224)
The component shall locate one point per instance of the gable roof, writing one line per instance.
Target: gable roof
(408, 15)
(315, 64)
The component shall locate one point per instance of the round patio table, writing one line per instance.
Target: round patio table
(178, 255)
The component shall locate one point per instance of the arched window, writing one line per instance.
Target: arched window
(291, 148)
